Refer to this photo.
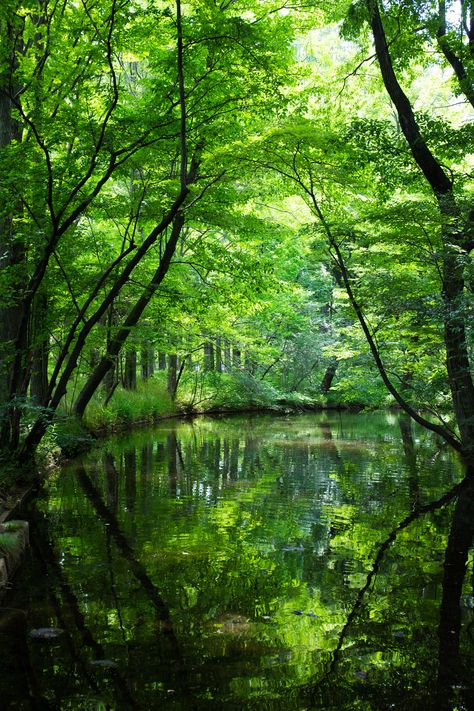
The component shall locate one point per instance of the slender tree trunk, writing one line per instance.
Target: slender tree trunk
(172, 374)
(131, 320)
(130, 371)
(111, 380)
(456, 241)
(40, 344)
(208, 356)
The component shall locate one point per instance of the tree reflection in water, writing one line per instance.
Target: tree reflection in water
(276, 563)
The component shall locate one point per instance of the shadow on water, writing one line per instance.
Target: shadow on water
(454, 680)
(287, 563)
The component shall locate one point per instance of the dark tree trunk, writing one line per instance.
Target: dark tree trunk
(456, 241)
(450, 672)
(208, 356)
(12, 249)
(172, 374)
(329, 376)
(161, 361)
(236, 357)
(131, 320)
(40, 344)
(147, 362)
(130, 370)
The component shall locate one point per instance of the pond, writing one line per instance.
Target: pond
(261, 562)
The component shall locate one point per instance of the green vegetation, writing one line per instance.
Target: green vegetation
(225, 205)
(147, 403)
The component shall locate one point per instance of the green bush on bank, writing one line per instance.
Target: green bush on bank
(68, 436)
(241, 390)
(199, 392)
(148, 402)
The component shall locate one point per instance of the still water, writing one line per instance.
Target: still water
(305, 562)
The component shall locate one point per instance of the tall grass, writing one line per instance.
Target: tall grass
(147, 403)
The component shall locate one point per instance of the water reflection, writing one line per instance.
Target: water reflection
(277, 563)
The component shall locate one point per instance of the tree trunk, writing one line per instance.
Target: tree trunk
(450, 671)
(111, 380)
(131, 320)
(329, 376)
(208, 356)
(218, 352)
(161, 361)
(12, 249)
(130, 371)
(40, 343)
(172, 374)
(147, 361)
(455, 236)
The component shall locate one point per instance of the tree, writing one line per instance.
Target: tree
(457, 223)
(327, 164)
(123, 104)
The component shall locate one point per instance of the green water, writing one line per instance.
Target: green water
(251, 562)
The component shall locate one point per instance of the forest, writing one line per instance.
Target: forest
(236, 354)
(240, 204)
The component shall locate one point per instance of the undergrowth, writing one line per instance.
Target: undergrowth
(147, 403)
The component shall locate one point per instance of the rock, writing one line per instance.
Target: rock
(14, 537)
(46, 633)
(3, 573)
(103, 663)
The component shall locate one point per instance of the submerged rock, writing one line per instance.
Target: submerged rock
(13, 541)
(103, 663)
(233, 624)
(46, 633)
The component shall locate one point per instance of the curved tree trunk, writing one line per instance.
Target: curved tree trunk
(456, 238)
(131, 320)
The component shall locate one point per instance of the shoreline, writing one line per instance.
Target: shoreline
(18, 495)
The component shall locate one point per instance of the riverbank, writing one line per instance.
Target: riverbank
(69, 437)
(148, 405)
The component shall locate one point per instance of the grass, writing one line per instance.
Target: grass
(145, 404)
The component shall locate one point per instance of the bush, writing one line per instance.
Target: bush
(237, 390)
(148, 402)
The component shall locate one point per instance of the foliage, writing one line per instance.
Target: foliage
(146, 404)
(196, 181)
